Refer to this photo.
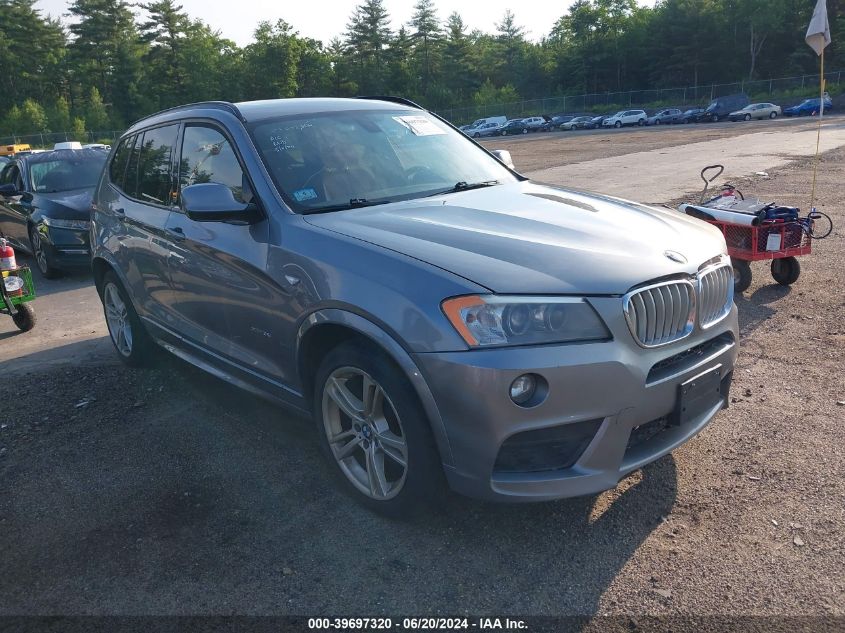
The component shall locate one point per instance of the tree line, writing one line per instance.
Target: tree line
(112, 62)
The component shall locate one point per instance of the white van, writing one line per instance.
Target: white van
(68, 145)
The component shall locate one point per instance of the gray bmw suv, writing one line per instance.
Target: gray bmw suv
(445, 320)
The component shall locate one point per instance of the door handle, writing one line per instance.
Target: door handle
(176, 234)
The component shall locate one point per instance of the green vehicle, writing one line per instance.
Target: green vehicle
(16, 293)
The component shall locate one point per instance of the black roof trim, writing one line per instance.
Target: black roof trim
(219, 105)
(392, 99)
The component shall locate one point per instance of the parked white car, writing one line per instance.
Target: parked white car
(534, 123)
(756, 111)
(626, 117)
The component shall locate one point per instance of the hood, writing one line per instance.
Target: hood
(71, 205)
(532, 239)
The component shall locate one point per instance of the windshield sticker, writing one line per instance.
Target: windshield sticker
(420, 125)
(301, 195)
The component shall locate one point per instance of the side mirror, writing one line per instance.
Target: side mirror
(213, 202)
(504, 157)
(8, 190)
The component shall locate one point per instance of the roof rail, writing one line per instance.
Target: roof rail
(220, 105)
(393, 99)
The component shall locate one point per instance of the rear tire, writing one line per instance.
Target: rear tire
(383, 451)
(131, 341)
(786, 270)
(742, 275)
(25, 318)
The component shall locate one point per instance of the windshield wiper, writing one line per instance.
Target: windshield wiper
(354, 203)
(465, 186)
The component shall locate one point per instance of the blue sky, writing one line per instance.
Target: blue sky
(323, 19)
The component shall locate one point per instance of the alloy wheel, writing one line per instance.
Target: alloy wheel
(117, 319)
(38, 251)
(364, 433)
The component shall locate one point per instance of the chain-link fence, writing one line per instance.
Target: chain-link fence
(786, 88)
(48, 139)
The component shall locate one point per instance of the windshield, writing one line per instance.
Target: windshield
(65, 174)
(342, 159)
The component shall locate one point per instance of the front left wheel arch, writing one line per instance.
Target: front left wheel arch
(324, 330)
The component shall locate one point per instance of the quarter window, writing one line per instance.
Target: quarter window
(207, 156)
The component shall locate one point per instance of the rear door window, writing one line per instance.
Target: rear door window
(130, 180)
(117, 168)
(155, 177)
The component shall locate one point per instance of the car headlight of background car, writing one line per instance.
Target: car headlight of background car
(490, 320)
(59, 223)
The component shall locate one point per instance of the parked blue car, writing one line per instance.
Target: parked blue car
(808, 107)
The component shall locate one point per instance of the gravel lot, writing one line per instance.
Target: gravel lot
(168, 492)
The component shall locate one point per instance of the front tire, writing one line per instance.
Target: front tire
(375, 433)
(618, 124)
(24, 318)
(786, 270)
(773, 115)
(42, 258)
(129, 336)
(742, 275)
(747, 117)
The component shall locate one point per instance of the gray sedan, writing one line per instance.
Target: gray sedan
(487, 129)
(443, 319)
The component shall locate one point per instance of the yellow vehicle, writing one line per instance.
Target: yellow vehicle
(11, 150)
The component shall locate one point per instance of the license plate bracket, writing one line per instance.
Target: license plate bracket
(697, 395)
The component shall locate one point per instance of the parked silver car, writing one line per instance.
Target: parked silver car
(756, 111)
(442, 318)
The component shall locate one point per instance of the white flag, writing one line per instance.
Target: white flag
(818, 33)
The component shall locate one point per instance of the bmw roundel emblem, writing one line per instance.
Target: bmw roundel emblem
(675, 256)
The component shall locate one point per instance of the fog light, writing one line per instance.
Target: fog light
(523, 389)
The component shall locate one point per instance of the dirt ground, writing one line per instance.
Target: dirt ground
(168, 492)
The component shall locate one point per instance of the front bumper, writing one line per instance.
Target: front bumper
(66, 248)
(616, 384)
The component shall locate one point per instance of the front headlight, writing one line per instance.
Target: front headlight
(490, 320)
(78, 225)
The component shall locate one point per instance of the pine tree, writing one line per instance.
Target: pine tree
(105, 51)
(164, 33)
(60, 115)
(95, 111)
(457, 59)
(427, 35)
(368, 36)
